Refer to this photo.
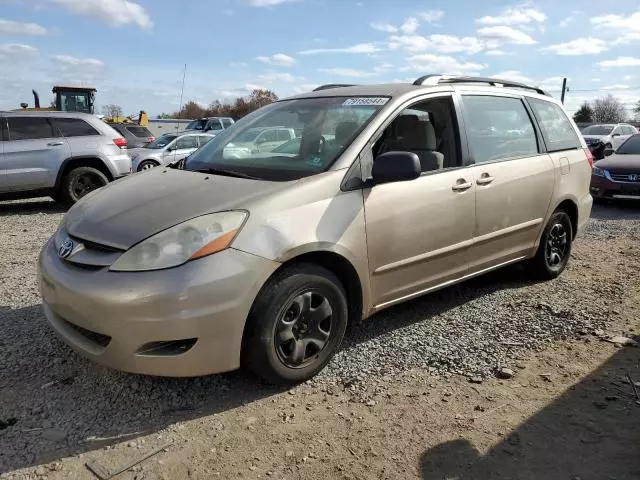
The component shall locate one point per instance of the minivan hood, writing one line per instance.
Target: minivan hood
(620, 163)
(129, 210)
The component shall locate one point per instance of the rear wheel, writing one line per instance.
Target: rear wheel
(296, 325)
(555, 247)
(147, 165)
(79, 182)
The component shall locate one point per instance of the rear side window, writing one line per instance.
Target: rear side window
(30, 128)
(557, 129)
(139, 132)
(498, 128)
(187, 142)
(74, 127)
(226, 123)
(283, 135)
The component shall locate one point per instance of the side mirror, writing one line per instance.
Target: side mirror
(615, 135)
(608, 152)
(395, 167)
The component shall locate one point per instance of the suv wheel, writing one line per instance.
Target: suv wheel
(296, 325)
(147, 165)
(555, 247)
(80, 181)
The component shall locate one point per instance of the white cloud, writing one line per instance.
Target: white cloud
(552, 83)
(359, 48)
(238, 64)
(431, 16)
(620, 62)
(384, 27)
(16, 52)
(346, 72)
(383, 67)
(514, 76)
(619, 23)
(616, 86)
(250, 87)
(267, 3)
(279, 59)
(305, 87)
(74, 62)
(496, 53)
(627, 38)
(9, 27)
(410, 25)
(112, 12)
(627, 77)
(514, 16)
(504, 34)
(435, 43)
(278, 77)
(442, 64)
(596, 79)
(579, 46)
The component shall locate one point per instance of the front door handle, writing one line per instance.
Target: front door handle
(485, 179)
(55, 144)
(461, 185)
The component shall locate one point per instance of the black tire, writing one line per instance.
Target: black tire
(78, 182)
(555, 247)
(147, 165)
(273, 332)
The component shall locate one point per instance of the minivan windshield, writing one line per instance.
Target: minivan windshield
(161, 142)
(598, 130)
(325, 127)
(630, 147)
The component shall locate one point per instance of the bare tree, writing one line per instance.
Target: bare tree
(240, 107)
(608, 110)
(111, 110)
(636, 111)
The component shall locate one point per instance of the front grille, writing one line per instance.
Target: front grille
(88, 245)
(625, 177)
(95, 337)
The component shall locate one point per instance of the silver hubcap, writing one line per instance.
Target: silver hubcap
(557, 242)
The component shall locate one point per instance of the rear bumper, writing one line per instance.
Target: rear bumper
(113, 318)
(602, 187)
(119, 165)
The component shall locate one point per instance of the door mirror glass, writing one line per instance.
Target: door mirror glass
(395, 167)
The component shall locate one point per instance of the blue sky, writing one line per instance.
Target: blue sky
(134, 51)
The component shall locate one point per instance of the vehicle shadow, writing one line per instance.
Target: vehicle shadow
(52, 393)
(616, 210)
(591, 432)
(38, 206)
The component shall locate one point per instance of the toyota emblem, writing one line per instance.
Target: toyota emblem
(66, 248)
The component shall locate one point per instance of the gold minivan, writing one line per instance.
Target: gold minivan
(257, 251)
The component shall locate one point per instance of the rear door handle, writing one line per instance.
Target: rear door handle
(462, 185)
(55, 144)
(485, 179)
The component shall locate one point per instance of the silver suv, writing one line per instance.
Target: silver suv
(56, 154)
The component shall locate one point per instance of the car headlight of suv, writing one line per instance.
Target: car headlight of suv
(195, 238)
(599, 172)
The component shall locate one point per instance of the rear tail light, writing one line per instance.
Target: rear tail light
(151, 139)
(120, 142)
(589, 156)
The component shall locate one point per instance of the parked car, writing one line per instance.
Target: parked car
(213, 125)
(259, 140)
(618, 175)
(137, 136)
(612, 135)
(262, 261)
(167, 149)
(58, 154)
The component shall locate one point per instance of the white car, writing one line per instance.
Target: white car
(169, 148)
(612, 135)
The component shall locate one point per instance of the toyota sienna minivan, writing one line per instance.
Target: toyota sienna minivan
(260, 260)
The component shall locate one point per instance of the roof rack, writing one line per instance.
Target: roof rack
(333, 85)
(444, 79)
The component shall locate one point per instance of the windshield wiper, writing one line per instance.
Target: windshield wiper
(228, 173)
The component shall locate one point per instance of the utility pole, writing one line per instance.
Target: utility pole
(564, 89)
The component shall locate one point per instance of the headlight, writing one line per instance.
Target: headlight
(195, 238)
(599, 172)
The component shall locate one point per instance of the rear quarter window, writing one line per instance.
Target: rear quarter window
(557, 129)
(74, 127)
(139, 132)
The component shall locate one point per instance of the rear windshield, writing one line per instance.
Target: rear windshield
(327, 126)
(140, 132)
(598, 130)
(630, 147)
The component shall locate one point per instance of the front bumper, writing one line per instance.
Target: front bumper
(602, 187)
(121, 314)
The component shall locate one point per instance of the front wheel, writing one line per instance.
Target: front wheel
(296, 324)
(555, 247)
(147, 165)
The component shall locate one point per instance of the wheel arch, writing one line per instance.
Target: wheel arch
(570, 206)
(81, 161)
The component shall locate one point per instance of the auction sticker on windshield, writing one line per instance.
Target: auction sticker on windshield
(365, 101)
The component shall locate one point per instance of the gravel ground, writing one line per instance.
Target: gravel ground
(61, 402)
